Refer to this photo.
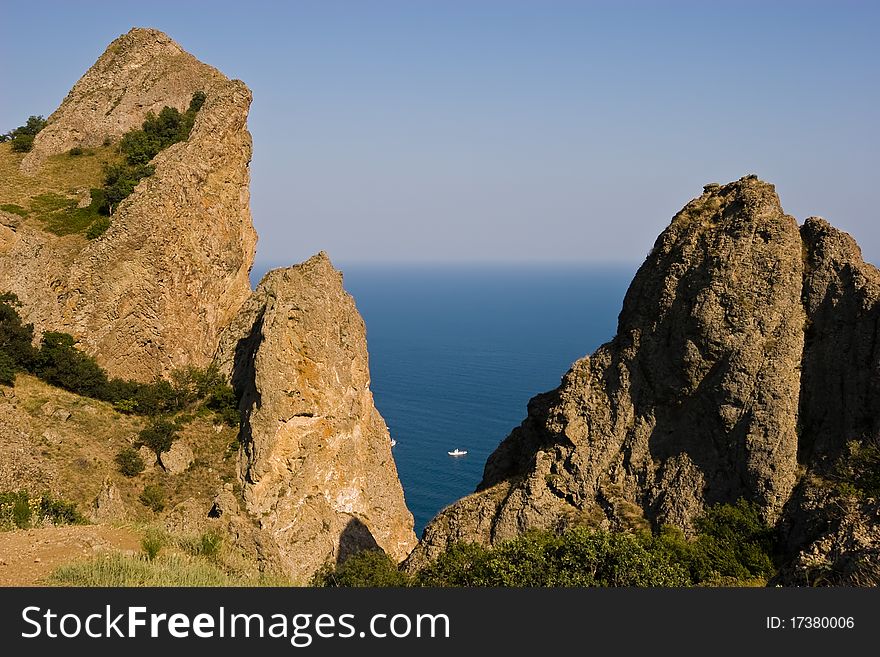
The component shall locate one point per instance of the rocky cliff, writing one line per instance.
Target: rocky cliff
(745, 359)
(155, 290)
(316, 467)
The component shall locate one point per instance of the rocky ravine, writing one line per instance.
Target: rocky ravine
(155, 290)
(316, 466)
(745, 358)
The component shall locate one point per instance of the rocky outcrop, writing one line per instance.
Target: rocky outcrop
(834, 537)
(108, 505)
(731, 375)
(140, 72)
(316, 466)
(155, 290)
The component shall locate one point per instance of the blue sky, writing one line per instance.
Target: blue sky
(505, 131)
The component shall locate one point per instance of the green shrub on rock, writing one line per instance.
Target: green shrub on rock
(370, 568)
(130, 462)
(153, 497)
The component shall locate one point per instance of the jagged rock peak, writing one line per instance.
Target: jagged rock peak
(316, 466)
(154, 291)
(693, 402)
(140, 72)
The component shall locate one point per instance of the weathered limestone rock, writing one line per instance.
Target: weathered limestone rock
(140, 72)
(834, 538)
(155, 290)
(694, 401)
(316, 465)
(108, 506)
(148, 456)
(178, 458)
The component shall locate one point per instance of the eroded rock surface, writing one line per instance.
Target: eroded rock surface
(744, 360)
(316, 465)
(155, 290)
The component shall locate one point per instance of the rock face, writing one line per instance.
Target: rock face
(702, 394)
(155, 290)
(178, 458)
(316, 465)
(835, 539)
(108, 505)
(140, 72)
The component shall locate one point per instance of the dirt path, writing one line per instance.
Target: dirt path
(27, 556)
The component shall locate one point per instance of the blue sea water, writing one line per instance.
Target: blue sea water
(457, 352)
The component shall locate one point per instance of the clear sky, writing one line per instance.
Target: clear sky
(505, 130)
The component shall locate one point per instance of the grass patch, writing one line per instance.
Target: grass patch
(61, 216)
(14, 209)
(857, 472)
(173, 569)
(50, 196)
(19, 510)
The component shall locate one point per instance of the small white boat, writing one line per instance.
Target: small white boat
(457, 452)
(393, 442)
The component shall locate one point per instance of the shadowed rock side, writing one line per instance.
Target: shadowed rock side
(835, 539)
(316, 466)
(693, 402)
(155, 290)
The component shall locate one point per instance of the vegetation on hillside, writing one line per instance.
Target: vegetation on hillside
(19, 510)
(857, 471)
(733, 547)
(59, 362)
(110, 175)
(22, 137)
(202, 559)
(140, 146)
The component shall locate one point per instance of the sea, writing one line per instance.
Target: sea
(456, 352)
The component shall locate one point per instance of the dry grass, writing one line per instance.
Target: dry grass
(61, 174)
(79, 451)
(168, 560)
(49, 198)
(175, 569)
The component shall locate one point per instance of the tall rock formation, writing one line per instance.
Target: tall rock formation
(836, 538)
(155, 290)
(316, 466)
(708, 393)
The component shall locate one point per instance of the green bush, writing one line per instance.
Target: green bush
(370, 568)
(23, 143)
(732, 543)
(8, 367)
(130, 462)
(60, 512)
(857, 471)
(153, 497)
(14, 209)
(152, 543)
(16, 338)
(732, 547)
(18, 510)
(23, 136)
(76, 151)
(576, 557)
(60, 363)
(140, 146)
(207, 545)
(98, 228)
(158, 436)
